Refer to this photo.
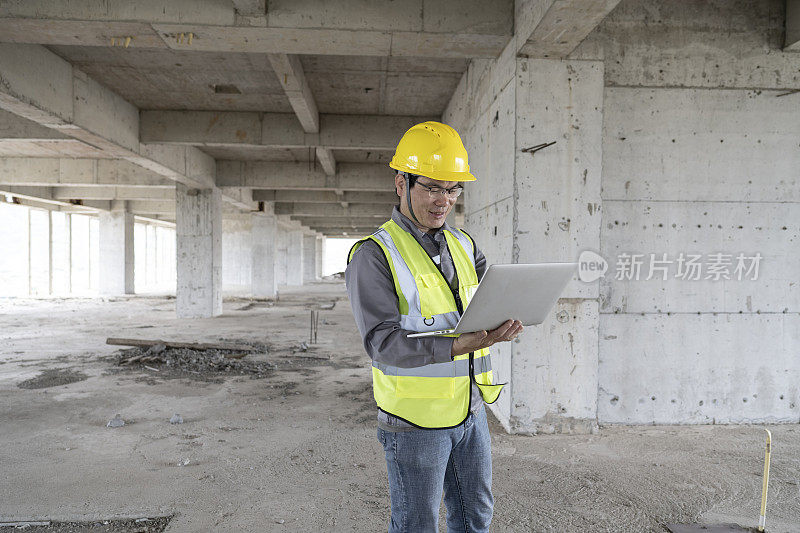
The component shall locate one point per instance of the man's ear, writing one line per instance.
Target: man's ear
(399, 185)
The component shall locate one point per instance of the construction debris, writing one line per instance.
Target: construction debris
(144, 343)
(116, 422)
(156, 349)
(205, 362)
(124, 525)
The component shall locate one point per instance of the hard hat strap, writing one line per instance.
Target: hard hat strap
(408, 198)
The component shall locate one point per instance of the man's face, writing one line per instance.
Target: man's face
(431, 211)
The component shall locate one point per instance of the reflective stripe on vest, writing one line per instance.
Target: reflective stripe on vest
(436, 370)
(435, 395)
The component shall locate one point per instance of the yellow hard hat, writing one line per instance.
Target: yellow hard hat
(433, 150)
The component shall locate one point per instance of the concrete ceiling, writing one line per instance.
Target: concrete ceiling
(217, 81)
(274, 95)
(180, 80)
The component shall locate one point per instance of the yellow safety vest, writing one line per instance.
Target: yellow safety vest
(437, 395)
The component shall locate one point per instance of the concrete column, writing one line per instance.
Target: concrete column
(320, 254)
(281, 256)
(198, 231)
(557, 215)
(294, 257)
(236, 252)
(538, 207)
(264, 254)
(309, 257)
(116, 251)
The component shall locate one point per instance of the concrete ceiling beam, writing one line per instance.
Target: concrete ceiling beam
(30, 171)
(20, 137)
(290, 74)
(16, 127)
(112, 193)
(40, 86)
(446, 28)
(85, 193)
(331, 222)
(327, 197)
(275, 130)
(250, 8)
(281, 175)
(159, 220)
(34, 193)
(554, 28)
(326, 160)
(152, 207)
(64, 207)
(42, 197)
(792, 42)
(298, 209)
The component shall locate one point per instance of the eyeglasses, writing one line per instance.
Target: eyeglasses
(452, 193)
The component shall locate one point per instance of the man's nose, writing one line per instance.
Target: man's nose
(441, 200)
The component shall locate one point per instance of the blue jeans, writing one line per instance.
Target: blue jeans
(422, 463)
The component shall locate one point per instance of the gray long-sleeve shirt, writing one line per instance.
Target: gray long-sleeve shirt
(376, 310)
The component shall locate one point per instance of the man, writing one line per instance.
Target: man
(416, 273)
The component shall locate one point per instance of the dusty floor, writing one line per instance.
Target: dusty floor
(295, 450)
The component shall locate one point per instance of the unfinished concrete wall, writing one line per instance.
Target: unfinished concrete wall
(681, 124)
(655, 43)
(236, 254)
(700, 157)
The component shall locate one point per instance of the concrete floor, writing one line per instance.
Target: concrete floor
(296, 451)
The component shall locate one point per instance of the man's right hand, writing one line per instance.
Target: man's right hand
(471, 342)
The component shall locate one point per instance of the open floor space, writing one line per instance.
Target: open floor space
(296, 450)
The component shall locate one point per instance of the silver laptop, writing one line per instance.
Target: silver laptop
(523, 292)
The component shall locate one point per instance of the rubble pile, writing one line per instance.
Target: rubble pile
(206, 362)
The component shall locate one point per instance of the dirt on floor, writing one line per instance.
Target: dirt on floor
(284, 439)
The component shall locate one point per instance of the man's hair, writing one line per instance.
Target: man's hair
(412, 179)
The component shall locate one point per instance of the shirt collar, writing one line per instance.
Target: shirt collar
(404, 222)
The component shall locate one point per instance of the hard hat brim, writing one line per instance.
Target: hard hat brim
(438, 175)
